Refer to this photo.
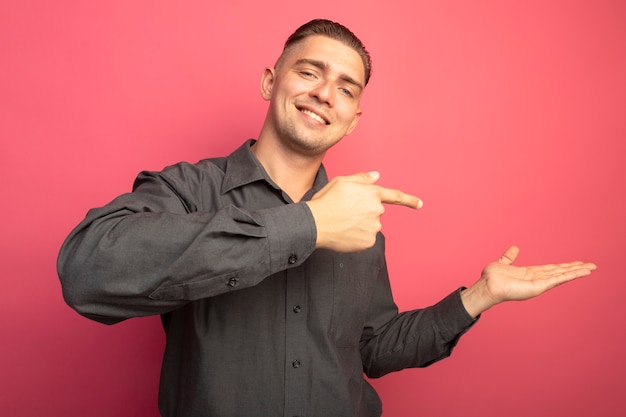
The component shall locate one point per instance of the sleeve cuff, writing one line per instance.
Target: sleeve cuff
(291, 235)
(452, 316)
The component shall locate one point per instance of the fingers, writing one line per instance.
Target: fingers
(510, 255)
(565, 273)
(575, 269)
(364, 177)
(388, 195)
(397, 197)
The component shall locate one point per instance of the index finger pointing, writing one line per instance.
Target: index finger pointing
(397, 197)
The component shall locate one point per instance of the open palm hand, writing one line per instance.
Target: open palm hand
(502, 281)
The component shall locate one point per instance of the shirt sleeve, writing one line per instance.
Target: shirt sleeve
(150, 251)
(393, 341)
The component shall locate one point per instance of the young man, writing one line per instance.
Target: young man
(270, 280)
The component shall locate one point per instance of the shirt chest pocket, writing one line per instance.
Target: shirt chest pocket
(353, 283)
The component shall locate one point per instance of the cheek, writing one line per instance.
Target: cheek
(352, 119)
(348, 114)
(289, 86)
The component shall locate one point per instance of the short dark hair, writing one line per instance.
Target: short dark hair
(334, 31)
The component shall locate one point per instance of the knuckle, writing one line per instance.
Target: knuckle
(399, 196)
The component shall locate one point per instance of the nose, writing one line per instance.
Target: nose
(324, 92)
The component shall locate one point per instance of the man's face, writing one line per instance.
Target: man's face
(314, 94)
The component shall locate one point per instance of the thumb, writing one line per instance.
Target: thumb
(510, 255)
(369, 177)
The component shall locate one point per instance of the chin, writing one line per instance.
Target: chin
(311, 147)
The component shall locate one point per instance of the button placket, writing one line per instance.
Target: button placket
(295, 329)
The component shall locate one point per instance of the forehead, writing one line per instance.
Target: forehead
(335, 54)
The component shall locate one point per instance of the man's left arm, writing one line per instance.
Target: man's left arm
(392, 341)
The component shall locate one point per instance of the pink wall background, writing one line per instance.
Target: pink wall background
(507, 118)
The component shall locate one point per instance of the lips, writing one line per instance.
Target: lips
(314, 116)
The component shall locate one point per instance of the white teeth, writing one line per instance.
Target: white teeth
(314, 116)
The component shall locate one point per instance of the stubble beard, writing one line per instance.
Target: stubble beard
(303, 142)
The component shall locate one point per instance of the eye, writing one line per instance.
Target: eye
(346, 92)
(307, 74)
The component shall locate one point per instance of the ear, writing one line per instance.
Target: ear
(354, 122)
(267, 82)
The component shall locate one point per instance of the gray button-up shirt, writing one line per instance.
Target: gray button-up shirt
(258, 322)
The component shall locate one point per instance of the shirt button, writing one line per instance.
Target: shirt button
(296, 363)
(232, 282)
(292, 259)
(297, 309)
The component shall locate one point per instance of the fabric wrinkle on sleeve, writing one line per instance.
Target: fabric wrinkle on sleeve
(418, 338)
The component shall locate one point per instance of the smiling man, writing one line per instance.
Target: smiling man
(270, 280)
(314, 93)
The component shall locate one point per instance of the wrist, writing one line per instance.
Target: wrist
(320, 235)
(476, 298)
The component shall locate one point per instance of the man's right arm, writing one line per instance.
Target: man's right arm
(150, 251)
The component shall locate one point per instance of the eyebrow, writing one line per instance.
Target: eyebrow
(323, 66)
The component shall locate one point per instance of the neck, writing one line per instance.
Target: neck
(294, 173)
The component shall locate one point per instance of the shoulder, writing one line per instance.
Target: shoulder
(183, 172)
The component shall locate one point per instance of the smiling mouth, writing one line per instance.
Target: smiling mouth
(314, 116)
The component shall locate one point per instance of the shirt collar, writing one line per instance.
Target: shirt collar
(242, 168)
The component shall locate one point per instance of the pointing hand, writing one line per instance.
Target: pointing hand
(347, 211)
